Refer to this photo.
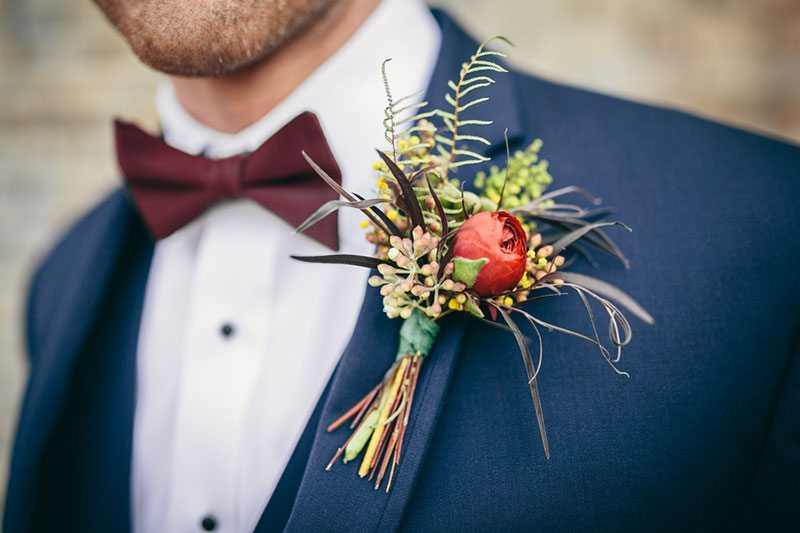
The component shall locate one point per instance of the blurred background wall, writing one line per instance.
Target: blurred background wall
(64, 73)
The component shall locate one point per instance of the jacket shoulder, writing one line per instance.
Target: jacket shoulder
(638, 122)
(67, 258)
(628, 150)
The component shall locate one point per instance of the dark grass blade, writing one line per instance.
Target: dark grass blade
(592, 320)
(329, 207)
(391, 226)
(532, 322)
(597, 238)
(566, 331)
(495, 325)
(505, 179)
(399, 203)
(413, 210)
(423, 171)
(561, 192)
(338, 188)
(463, 202)
(341, 259)
(579, 233)
(329, 180)
(526, 356)
(439, 206)
(606, 289)
(448, 256)
(603, 351)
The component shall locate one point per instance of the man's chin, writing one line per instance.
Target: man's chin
(191, 64)
(213, 38)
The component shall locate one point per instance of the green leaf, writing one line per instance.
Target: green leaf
(417, 335)
(466, 270)
(361, 437)
(473, 308)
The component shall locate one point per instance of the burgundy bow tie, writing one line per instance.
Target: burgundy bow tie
(171, 188)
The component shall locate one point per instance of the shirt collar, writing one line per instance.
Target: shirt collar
(345, 92)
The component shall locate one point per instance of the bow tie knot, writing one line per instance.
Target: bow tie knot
(225, 177)
(170, 188)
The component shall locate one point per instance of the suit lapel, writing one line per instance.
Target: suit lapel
(339, 499)
(72, 291)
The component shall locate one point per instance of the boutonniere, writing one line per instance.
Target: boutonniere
(441, 249)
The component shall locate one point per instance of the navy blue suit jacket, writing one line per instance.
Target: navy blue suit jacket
(704, 435)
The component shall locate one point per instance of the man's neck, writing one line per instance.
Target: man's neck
(231, 103)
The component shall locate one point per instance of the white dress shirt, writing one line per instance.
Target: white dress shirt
(237, 340)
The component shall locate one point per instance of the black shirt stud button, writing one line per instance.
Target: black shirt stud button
(209, 523)
(226, 330)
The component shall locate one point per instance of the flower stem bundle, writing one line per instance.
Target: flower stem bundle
(380, 419)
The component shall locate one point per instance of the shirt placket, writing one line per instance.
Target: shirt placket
(226, 341)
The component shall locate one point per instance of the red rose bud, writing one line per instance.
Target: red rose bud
(498, 237)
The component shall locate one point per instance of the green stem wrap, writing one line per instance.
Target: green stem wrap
(417, 335)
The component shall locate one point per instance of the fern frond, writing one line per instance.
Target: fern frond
(493, 53)
(474, 79)
(443, 140)
(476, 138)
(463, 162)
(395, 114)
(474, 75)
(414, 119)
(421, 128)
(408, 97)
(475, 122)
(405, 109)
(481, 68)
(473, 87)
(470, 153)
(474, 102)
(491, 64)
(388, 122)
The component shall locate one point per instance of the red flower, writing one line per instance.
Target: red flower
(498, 237)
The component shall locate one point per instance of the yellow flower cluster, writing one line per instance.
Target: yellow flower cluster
(540, 262)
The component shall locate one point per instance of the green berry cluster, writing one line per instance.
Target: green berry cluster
(528, 178)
